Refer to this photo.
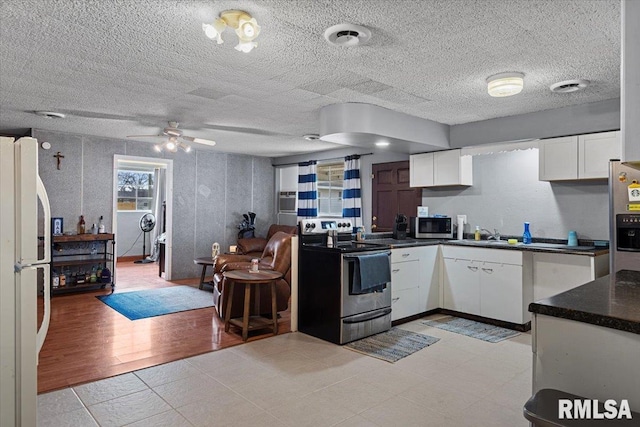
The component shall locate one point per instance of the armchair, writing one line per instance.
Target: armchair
(275, 256)
(254, 246)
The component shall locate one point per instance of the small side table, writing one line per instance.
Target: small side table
(204, 262)
(262, 277)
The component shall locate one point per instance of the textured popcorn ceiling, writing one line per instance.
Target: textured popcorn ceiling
(127, 67)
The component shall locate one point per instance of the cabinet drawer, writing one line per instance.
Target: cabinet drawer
(408, 254)
(405, 275)
(405, 303)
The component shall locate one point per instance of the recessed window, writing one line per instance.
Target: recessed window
(135, 190)
(330, 178)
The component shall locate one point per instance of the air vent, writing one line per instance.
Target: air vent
(569, 86)
(347, 35)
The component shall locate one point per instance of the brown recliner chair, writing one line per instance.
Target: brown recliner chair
(254, 246)
(276, 256)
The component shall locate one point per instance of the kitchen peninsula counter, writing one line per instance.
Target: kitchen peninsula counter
(585, 341)
(604, 302)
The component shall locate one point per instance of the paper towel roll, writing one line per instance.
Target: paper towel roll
(460, 228)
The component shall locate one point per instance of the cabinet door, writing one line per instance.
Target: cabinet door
(421, 170)
(594, 153)
(501, 292)
(461, 286)
(404, 303)
(558, 159)
(446, 167)
(429, 278)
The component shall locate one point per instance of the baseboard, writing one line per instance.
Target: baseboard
(514, 326)
(129, 258)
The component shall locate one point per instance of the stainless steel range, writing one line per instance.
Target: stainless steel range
(344, 287)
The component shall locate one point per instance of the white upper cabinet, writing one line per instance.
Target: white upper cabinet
(578, 157)
(421, 170)
(594, 153)
(441, 168)
(558, 159)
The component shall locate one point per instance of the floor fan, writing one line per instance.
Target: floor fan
(147, 223)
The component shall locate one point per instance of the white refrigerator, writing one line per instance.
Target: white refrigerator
(21, 192)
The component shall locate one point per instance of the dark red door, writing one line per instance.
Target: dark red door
(391, 194)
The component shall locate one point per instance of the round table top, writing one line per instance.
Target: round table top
(205, 260)
(245, 276)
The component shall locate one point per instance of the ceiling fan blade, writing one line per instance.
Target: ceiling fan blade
(239, 129)
(146, 136)
(199, 140)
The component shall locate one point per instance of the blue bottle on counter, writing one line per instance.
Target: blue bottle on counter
(526, 236)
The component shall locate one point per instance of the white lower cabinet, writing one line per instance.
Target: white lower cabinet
(415, 284)
(487, 282)
(501, 292)
(461, 287)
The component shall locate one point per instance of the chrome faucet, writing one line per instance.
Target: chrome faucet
(493, 236)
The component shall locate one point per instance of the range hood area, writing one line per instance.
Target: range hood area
(366, 125)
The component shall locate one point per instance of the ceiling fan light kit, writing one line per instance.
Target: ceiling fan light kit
(245, 26)
(505, 84)
(174, 141)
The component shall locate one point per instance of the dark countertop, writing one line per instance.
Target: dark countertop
(385, 239)
(604, 302)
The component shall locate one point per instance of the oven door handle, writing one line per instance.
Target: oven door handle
(350, 258)
(367, 316)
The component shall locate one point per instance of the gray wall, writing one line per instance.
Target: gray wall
(506, 193)
(128, 231)
(211, 190)
(573, 120)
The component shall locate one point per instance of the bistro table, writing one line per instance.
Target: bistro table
(204, 262)
(251, 279)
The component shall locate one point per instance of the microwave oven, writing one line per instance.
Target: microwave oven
(432, 228)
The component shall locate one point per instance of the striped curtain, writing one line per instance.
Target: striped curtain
(351, 193)
(307, 190)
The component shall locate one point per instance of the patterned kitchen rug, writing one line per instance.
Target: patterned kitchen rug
(471, 328)
(392, 345)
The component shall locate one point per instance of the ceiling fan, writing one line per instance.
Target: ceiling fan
(176, 139)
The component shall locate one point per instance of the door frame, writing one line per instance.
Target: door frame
(168, 165)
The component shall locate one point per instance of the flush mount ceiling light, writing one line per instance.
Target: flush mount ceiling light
(347, 35)
(382, 143)
(172, 145)
(245, 26)
(505, 84)
(568, 86)
(311, 136)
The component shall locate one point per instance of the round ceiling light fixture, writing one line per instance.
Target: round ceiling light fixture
(569, 86)
(311, 136)
(50, 114)
(505, 84)
(347, 35)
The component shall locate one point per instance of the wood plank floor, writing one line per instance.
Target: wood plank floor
(88, 341)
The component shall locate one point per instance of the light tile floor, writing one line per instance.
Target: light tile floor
(297, 380)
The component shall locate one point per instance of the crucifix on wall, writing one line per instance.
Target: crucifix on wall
(58, 156)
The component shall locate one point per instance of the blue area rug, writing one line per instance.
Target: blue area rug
(392, 345)
(136, 305)
(471, 328)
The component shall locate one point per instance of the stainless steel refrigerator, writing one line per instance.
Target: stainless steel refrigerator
(624, 225)
(20, 269)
